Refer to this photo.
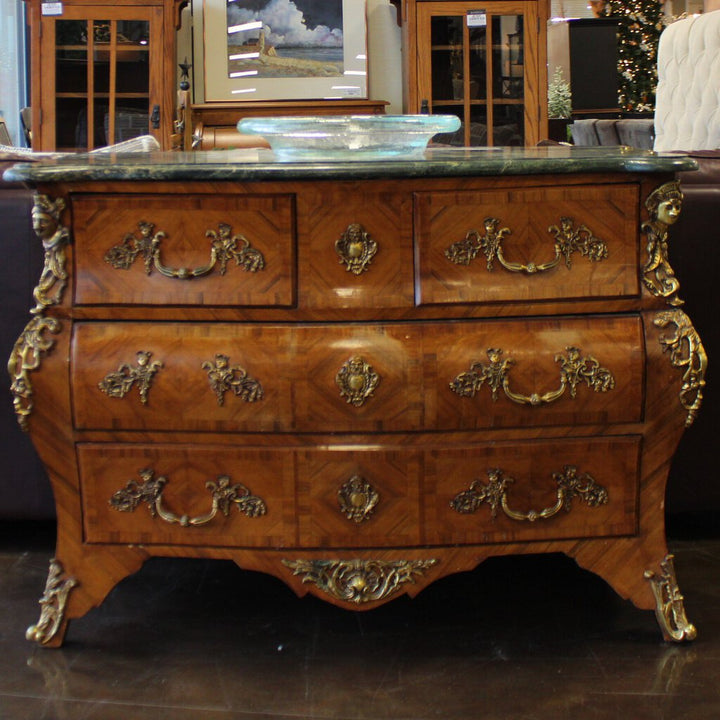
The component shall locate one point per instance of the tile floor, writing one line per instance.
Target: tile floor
(517, 639)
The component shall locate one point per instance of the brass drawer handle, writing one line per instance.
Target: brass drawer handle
(574, 369)
(356, 249)
(118, 384)
(357, 381)
(359, 581)
(224, 247)
(357, 499)
(494, 493)
(150, 490)
(222, 377)
(568, 240)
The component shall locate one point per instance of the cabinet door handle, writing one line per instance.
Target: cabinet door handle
(155, 117)
(574, 369)
(150, 490)
(495, 494)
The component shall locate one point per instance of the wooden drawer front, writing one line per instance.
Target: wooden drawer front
(356, 249)
(529, 475)
(295, 367)
(122, 505)
(108, 236)
(521, 373)
(357, 378)
(452, 228)
(365, 497)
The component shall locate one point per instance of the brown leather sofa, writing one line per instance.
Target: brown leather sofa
(694, 490)
(24, 488)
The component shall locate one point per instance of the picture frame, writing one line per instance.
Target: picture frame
(270, 50)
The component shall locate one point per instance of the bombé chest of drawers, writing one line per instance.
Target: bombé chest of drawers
(359, 377)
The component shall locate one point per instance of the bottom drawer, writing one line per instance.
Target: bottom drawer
(187, 495)
(536, 490)
(389, 494)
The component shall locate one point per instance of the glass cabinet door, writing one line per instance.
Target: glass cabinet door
(473, 66)
(104, 86)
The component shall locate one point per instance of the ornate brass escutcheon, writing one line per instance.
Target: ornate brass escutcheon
(686, 352)
(664, 205)
(225, 246)
(356, 249)
(223, 377)
(669, 603)
(52, 604)
(574, 369)
(494, 493)
(359, 581)
(149, 491)
(357, 381)
(119, 383)
(357, 498)
(568, 240)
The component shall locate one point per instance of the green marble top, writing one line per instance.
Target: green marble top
(262, 165)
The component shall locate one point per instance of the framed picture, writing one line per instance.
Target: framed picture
(279, 50)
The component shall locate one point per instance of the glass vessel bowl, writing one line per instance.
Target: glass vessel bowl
(349, 137)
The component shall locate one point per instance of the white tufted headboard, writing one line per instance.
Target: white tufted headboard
(687, 108)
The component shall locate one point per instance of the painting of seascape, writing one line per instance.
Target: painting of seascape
(285, 38)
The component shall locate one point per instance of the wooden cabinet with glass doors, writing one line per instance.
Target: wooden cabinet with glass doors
(102, 73)
(482, 61)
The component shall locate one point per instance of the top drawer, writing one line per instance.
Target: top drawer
(184, 250)
(527, 244)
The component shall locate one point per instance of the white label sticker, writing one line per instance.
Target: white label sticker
(476, 18)
(52, 8)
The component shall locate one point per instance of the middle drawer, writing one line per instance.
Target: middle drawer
(398, 377)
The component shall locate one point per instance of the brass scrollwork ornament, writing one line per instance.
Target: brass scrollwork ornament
(494, 493)
(569, 239)
(669, 603)
(52, 604)
(357, 381)
(574, 370)
(27, 353)
(359, 581)
(34, 343)
(688, 354)
(357, 499)
(150, 490)
(118, 384)
(664, 205)
(356, 249)
(223, 378)
(225, 246)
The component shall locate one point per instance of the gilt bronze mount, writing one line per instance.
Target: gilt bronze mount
(568, 240)
(356, 249)
(225, 246)
(357, 381)
(118, 384)
(52, 604)
(688, 354)
(574, 370)
(570, 485)
(223, 378)
(357, 499)
(359, 581)
(669, 603)
(150, 490)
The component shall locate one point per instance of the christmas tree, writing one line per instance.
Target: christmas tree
(640, 23)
